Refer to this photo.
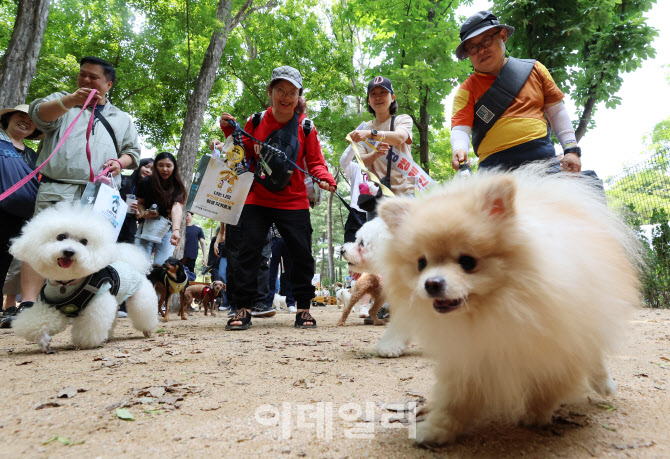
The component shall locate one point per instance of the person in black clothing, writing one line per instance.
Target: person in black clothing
(194, 235)
(128, 184)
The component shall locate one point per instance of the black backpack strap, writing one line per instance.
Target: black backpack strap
(389, 159)
(105, 123)
(256, 119)
(502, 92)
(307, 126)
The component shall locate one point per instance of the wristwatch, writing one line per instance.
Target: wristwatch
(575, 150)
(374, 133)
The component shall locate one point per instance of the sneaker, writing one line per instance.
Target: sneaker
(233, 311)
(369, 320)
(10, 313)
(384, 312)
(263, 310)
(363, 311)
(121, 314)
(292, 309)
(223, 308)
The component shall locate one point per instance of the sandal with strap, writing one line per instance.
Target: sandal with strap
(244, 316)
(302, 317)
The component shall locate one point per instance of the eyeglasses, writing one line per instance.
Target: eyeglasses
(485, 43)
(280, 92)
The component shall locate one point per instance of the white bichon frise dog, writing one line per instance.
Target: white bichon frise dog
(364, 256)
(88, 275)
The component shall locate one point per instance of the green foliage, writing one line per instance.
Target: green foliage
(413, 43)
(585, 44)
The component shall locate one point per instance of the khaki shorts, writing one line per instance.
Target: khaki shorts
(50, 194)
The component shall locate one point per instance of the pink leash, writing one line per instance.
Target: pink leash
(28, 177)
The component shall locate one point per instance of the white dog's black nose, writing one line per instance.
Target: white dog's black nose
(435, 286)
(68, 253)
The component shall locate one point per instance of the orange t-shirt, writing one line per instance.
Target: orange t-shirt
(523, 120)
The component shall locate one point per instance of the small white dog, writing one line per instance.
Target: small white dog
(88, 275)
(343, 296)
(364, 256)
(279, 302)
(519, 285)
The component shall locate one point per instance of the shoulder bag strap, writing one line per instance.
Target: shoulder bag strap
(389, 160)
(105, 123)
(502, 92)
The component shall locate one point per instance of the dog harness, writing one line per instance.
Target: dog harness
(173, 285)
(76, 303)
(207, 291)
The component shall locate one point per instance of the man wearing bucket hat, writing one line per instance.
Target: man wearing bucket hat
(518, 133)
(16, 161)
(286, 205)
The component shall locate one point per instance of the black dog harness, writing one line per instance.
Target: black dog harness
(76, 303)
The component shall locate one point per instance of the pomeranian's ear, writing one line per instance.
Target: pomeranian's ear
(393, 211)
(498, 197)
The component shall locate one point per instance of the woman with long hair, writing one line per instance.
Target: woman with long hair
(161, 195)
(128, 185)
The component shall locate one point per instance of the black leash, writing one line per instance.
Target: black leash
(282, 155)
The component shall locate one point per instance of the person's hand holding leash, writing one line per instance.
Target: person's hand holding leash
(79, 97)
(571, 163)
(459, 157)
(224, 120)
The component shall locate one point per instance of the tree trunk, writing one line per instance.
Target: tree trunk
(195, 111)
(587, 113)
(18, 65)
(424, 123)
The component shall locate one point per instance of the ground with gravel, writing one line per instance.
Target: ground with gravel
(193, 389)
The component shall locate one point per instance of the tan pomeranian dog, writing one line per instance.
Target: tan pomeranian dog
(518, 285)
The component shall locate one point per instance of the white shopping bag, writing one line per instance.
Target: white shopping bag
(106, 201)
(219, 192)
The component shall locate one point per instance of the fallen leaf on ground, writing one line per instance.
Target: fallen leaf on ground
(125, 414)
(47, 405)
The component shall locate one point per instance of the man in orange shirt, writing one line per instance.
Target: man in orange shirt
(520, 135)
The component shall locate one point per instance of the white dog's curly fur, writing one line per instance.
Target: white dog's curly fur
(520, 284)
(364, 256)
(70, 242)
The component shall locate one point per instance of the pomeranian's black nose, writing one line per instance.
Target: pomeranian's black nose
(435, 286)
(68, 253)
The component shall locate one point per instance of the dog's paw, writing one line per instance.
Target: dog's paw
(428, 434)
(391, 348)
(341, 323)
(605, 386)
(147, 334)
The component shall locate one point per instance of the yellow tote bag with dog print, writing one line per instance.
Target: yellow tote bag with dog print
(219, 192)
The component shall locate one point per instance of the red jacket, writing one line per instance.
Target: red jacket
(294, 196)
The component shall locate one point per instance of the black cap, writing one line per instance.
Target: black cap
(476, 24)
(380, 81)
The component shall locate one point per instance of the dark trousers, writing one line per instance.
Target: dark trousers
(235, 237)
(190, 264)
(280, 252)
(518, 155)
(296, 229)
(352, 225)
(9, 228)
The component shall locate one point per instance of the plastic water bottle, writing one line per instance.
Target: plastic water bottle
(464, 169)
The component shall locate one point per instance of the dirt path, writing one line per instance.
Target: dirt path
(194, 389)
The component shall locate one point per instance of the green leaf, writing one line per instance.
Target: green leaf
(609, 427)
(63, 440)
(606, 407)
(125, 414)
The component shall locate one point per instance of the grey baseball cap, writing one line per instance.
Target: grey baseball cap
(289, 74)
(476, 24)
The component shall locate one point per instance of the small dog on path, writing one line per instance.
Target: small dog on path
(205, 294)
(87, 276)
(169, 279)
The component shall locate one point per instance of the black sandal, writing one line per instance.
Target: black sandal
(244, 316)
(302, 317)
